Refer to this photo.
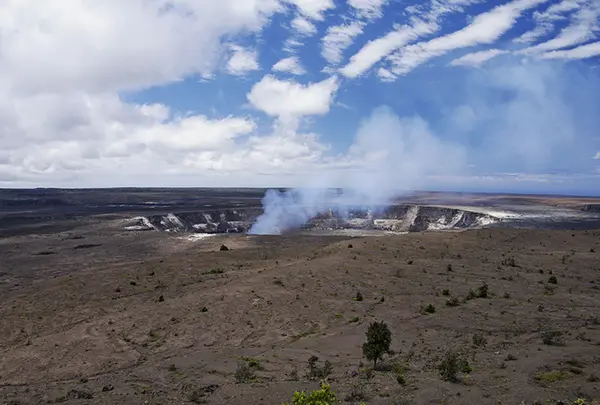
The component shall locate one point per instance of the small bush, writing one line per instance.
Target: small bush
(359, 296)
(357, 393)
(449, 267)
(446, 292)
(553, 376)
(552, 280)
(482, 291)
(224, 248)
(354, 320)
(244, 373)
(315, 372)
(213, 271)
(552, 337)
(428, 309)
(510, 261)
(323, 396)
(203, 309)
(479, 340)
(452, 302)
(506, 295)
(451, 365)
(399, 372)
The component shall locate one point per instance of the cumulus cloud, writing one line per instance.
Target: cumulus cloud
(82, 44)
(287, 98)
(242, 61)
(291, 65)
(304, 27)
(484, 29)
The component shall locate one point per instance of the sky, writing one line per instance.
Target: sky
(462, 95)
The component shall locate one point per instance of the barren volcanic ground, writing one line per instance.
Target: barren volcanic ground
(94, 314)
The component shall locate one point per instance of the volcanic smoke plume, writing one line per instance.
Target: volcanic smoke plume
(517, 119)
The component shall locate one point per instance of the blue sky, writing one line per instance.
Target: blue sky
(375, 94)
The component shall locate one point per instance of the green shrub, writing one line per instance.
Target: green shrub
(452, 302)
(323, 396)
(378, 342)
(428, 309)
(451, 365)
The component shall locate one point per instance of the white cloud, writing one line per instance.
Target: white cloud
(422, 23)
(385, 75)
(303, 26)
(581, 52)
(338, 38)
(477, 58)
(580, 30)
(375, 50)
(242, 61)
(290, 65)
(370, 9)
(597, 156)
(115, 45)
(288, 99)
(545, 20)
(312, 9)
(484, 29)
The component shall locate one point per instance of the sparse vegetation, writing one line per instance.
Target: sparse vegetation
(552, 337)
(322, 396)
(379, 339)
(446, 292)
(244, 373)
(451, 365)
(224, 248)
(213, 271)
(549, 377)
(479, 340)
(552, 280)
(358, 297)
(428, 309)
(452, 302)
(315, 372)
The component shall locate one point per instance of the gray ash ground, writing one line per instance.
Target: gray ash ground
(95, 314)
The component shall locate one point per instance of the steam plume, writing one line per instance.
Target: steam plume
(517, 116)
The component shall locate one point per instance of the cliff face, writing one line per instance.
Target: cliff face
(399, 218)
(591, 208)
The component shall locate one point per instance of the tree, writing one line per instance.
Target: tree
(378, 342)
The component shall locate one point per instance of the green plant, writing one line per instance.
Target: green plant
(378, 342)
(452, 302)
(399, 372)
(428, 309)
(552, 337)
(479, 340)
(359, 296)
(451, 365)
(323, 396)
(316, 372)
(446, 292)
(213, 271)
(244, 373)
